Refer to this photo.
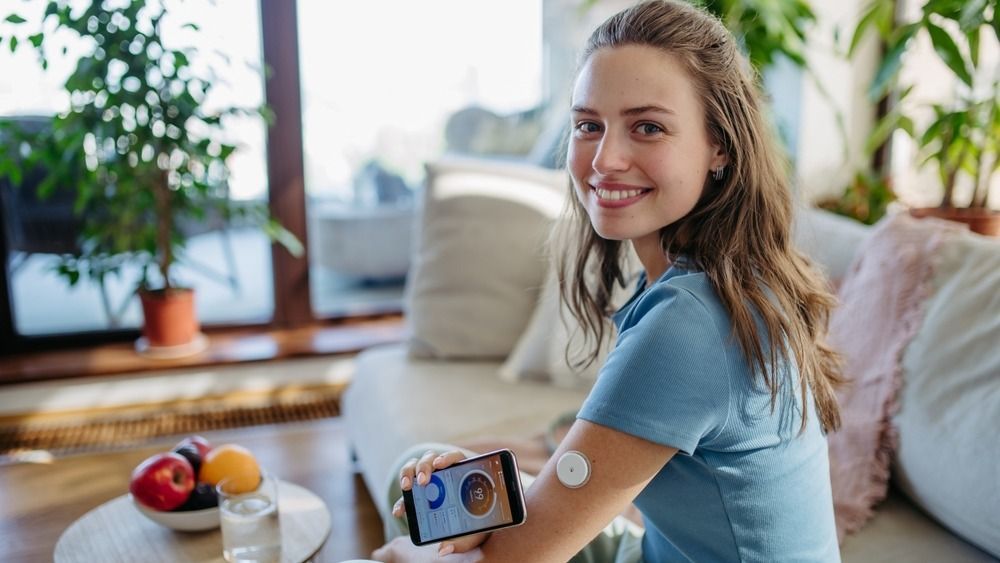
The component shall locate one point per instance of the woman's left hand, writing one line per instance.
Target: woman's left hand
(402, 549)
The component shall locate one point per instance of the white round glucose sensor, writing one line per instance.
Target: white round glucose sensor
(573, 469)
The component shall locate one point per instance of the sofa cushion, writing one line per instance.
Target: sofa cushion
(899, 531)
(830, 241)
(882, 301)
(479, 259)
(948, 460)
(395, 401)
(540, 353)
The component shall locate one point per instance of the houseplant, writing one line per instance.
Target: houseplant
(139, 147)
(962, 137)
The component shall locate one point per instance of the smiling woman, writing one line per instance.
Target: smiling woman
(710, 411)
(637, 165)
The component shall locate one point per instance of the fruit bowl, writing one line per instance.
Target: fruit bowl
(185, 521)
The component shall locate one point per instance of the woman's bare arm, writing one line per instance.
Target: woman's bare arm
(561, 521)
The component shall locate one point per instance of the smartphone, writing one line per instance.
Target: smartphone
(478, 494)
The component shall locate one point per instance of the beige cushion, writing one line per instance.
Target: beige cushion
(540, 353)
(479, 259)
(948, 459)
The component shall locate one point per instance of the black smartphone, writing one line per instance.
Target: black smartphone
(478, 494)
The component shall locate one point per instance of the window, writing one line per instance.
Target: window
(387, 87)
(229, 265)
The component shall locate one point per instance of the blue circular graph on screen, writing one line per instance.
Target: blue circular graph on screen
(434, 489)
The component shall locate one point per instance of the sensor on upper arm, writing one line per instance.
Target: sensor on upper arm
(573, 469)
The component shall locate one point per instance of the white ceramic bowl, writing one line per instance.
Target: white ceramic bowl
(188, 521)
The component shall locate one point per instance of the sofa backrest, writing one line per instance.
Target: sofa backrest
(831, 241)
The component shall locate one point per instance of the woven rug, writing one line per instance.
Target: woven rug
(34, 439)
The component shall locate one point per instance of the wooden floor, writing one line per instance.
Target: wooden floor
(38, 501)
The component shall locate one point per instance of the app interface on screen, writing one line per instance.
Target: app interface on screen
(462, 499)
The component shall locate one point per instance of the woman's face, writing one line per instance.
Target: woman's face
(639, 152)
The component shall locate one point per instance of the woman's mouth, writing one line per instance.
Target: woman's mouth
(618, 197)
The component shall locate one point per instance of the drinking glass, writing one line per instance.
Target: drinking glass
(250, 528)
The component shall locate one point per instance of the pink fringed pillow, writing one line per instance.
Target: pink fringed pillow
(881, 307)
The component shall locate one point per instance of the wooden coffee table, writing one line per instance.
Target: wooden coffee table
(40, 500)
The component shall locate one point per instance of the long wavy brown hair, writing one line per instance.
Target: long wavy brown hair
(739, 233)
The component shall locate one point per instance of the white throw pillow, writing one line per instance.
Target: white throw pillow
(948, 460)
(540, 354)
(479, 256)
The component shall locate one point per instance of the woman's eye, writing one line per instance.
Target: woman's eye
(649, 129)
(587, 127)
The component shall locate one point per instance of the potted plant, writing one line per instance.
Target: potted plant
(141, 151)
(962, 138)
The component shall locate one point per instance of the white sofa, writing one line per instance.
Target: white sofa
(427, 390)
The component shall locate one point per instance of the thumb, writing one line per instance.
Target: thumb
(462, 544)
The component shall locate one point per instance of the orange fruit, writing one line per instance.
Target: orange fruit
(233, 463)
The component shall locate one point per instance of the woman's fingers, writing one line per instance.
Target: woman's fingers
(462, 544)
(397, 509)
(447, 459)
(424, 468)
(418, 471)
(406, 474)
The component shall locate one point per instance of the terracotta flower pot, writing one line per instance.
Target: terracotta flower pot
(169, 317)
(982, 221)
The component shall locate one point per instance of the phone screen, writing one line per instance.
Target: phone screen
(462, 499)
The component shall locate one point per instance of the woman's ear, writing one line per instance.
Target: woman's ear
(719, 158)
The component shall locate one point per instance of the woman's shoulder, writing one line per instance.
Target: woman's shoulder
(683, 303)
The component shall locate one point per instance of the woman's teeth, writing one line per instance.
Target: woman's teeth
(614, 195)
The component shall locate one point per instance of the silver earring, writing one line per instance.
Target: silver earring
(718, 173)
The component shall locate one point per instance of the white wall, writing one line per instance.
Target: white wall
(826, 159)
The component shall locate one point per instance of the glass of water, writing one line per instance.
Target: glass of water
(250, 528)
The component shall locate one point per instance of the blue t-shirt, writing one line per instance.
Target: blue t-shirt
(745, 485)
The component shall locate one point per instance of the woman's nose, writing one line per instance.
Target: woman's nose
(612, 156)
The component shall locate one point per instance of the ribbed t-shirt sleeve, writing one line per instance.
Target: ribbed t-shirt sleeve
(667, 379)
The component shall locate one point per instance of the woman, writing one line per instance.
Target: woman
(710, 412)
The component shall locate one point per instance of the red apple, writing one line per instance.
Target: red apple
(163, 481)
(199, 442)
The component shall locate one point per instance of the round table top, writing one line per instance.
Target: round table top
(116, 531)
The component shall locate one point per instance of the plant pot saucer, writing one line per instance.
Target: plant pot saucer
(198, 345)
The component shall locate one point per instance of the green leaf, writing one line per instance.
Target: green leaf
(36, 39)
(891, 64)
(13, 43)
(180, 59)
(973, 37)
(191, 26)
(906, 124)
(931, 133)
(282, 236)
(867, 19)
(14, 18)
(16, 176)
(883, 129)
(996, 23)
(973, 15)
(949, 53)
